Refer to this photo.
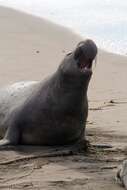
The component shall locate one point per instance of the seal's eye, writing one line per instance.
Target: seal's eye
(69, 53)
(78, 53)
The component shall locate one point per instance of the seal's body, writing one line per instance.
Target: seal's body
(12, 97)
(52, 112)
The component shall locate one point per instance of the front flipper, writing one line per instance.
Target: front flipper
(5, 144)
(11, 138)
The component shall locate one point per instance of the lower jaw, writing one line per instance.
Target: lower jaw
(86, 70)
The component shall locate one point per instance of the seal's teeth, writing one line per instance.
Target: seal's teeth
(86, 69)
(87, 66)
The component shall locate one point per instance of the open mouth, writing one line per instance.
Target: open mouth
(86, 66)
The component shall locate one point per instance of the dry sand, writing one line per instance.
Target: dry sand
(30, 49)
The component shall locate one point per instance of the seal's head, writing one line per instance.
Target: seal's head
(77, 65)
(84, 55)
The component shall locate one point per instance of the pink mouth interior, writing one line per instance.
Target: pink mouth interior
(86, 66)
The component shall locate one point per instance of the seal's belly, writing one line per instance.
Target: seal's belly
(12, 97)
(51, 134)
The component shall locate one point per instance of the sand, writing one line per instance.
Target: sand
(30, 49)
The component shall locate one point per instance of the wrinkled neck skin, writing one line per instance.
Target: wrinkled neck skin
(69, 83)
(70, 76)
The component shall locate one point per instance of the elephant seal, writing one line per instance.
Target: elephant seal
(122, 174)
(51, 112)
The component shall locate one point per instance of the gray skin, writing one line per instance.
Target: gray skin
(122, 174)
(51, 112)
